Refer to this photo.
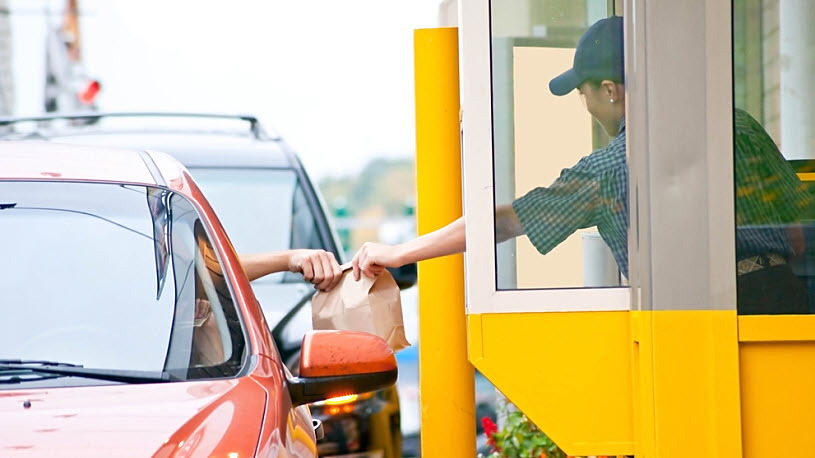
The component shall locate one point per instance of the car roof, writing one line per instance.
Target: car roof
(48, 161)
(193, 149)
(38, 160)
(195, 139)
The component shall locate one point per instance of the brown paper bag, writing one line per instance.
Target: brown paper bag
(368, 305)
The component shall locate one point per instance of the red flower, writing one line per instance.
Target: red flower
(490, 428)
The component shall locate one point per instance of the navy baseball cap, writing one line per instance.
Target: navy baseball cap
(599, 56)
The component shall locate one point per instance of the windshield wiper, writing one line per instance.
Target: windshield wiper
(22, 375)
(74, 370)
(37, 361)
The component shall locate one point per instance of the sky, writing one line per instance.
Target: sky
(334, 78)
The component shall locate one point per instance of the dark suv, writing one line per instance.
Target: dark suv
(265, 201)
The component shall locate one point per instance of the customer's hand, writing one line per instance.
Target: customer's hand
(317, 266)
(203, 311)
(373, 258)
(207, 346)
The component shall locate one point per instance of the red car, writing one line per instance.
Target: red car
(129, 327)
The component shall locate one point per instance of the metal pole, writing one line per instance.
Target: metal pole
(446, 391)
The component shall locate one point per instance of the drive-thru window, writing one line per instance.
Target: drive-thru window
(662, 305)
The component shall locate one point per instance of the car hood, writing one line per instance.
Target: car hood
(186, 419)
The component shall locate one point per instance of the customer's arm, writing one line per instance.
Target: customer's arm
(317, 266)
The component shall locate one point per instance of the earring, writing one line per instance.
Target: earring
(611, 100)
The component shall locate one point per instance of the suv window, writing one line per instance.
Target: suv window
(113, 277)
(272, 200)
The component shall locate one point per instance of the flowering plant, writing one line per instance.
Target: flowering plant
(490, 428)
(519, 438)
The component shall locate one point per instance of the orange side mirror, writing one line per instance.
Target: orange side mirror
(335, 353)
(336, 363)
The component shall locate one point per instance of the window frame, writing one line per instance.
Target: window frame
(483, 296)
(214, 241)
(682, 221)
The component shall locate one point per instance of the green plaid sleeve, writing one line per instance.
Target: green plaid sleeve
(767, 189)
(549, 215)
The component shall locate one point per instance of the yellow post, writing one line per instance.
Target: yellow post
(446, 388)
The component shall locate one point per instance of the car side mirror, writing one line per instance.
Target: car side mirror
(339, 363)
(405, 276)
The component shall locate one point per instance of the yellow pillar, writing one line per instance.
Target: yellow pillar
(446, 390)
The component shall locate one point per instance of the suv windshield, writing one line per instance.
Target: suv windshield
(261, 210)
(113, 277)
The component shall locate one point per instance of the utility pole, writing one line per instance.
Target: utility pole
(67, 86)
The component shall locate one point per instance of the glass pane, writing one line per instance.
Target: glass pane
(774, 149)
(92, 280)
(561, 176)
(207, 336)
(82, 260)
(261, 210)
(255, 206)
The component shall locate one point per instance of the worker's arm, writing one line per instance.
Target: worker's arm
(373, 258)
(507, 224)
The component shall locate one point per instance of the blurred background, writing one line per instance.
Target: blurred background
(335, 79)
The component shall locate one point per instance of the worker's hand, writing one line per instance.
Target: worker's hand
(373, 258)
(317, 266)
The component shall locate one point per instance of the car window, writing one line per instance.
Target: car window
(113, 277)
(261, 210)
(303, 228)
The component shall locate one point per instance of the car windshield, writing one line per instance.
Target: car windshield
(261, 210)
(114, 277)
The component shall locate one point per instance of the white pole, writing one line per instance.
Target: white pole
(599, 266)
(797, 43)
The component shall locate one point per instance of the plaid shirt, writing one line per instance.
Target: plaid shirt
(769, 194)
(592, 193)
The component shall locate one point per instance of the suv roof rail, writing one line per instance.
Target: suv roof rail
(254, 125)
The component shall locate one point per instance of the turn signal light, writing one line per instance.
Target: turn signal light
(339, 400)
